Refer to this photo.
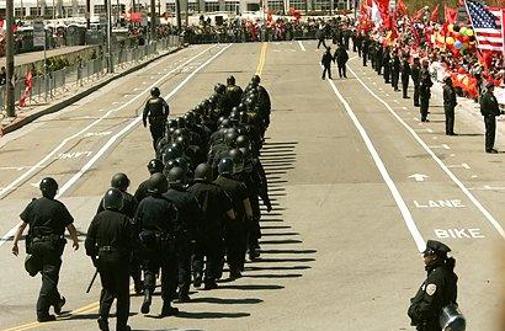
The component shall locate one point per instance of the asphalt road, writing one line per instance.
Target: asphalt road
(358, 184)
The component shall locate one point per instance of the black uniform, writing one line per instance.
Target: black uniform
(341, 57)
(449, 105)
(234, 94)
(437, 291)
(416, 78)
(405, 77)
(489, 108)
(189, 215)
(109, 242)
(129, 208)
(236, 231)
(141, 192)
(47, 220)
(209, 241)
(395, 71)
(365, 43)
(156, 219)
(425, 93)
(385, 63)
(379, 55)
(157, 111)
(326, 62)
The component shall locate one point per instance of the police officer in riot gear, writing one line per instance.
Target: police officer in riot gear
(416, 78)
(109, 242)
(188, 216)
(154, 166)
(47, 219)
(437, 291)
(156, 219)
(156, 111)
(405, 76)
(449, 104)
(235, 232)
(233, 92)
(121, 182)
(217, 209)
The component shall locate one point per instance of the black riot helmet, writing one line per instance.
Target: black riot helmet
(172, 123)
(170, 154)
(242, 142)
(113, 199)
(243, 117)
(182, 163)
(256, 79)
(225, 166)
(190, 118)
(219, 88)
(234, 116)
(155, 166)
(48, 186)
(181, 122)
(225, 123)
(230, 80)
(177, 177)
(229, 139)
(238, 160)
(203, 172)
(120, 181)
(155, 92)
(157, 184)
(183, 141)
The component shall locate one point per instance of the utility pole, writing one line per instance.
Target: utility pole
(110, 67)
(9, 59)
(153, 19)
(88, 14)
(178, 14)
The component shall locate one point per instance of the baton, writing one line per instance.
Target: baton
(92, 281)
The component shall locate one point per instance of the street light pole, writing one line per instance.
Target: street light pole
(153, 18)
(110, 67)
(9, 59)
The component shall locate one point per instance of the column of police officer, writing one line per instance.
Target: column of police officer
(199, 207)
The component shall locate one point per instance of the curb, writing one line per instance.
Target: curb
(66, 102)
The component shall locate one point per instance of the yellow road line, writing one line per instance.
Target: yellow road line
(261, 63)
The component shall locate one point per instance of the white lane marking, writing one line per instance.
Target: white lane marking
(419, 177)
(488, 188)
(429, 130)
(462, 165)
(130, 126)
(7, 188)
(12, 231)
(443, 146)
(474, 233)
(489, 217)
(74, 155)
(407, 216)
(452, 203)
(98, 134)
(18, 168)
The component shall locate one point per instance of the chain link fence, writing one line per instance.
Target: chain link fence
(56, 84)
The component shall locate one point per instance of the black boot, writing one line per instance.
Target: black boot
(147, 302)
(59, 305)
(103, 324)
(168, 310)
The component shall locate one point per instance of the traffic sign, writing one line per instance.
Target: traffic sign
(39, 34)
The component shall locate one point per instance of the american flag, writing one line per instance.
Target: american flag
(488, 24)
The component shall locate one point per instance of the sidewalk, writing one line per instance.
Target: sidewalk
(26, 58)
(75, 90)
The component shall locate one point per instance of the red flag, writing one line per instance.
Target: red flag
(383, 6)
(418, 15)
(2, 22)
(28, 89)
(401, 8)
(434, 14)
(451, 15)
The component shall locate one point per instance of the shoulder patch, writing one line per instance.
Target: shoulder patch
(431, 289)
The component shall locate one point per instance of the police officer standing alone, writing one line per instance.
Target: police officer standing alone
(425, 85)
(449, 105)
(326, 63)
(341, 57)
(109, 243)
(47, 219)
(437, 291)
(489, 109)
(156, 111)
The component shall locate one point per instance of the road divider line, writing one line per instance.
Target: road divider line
(261, 64)
(27, 174)
(489, 217)
(404, 210)
(300, 43)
